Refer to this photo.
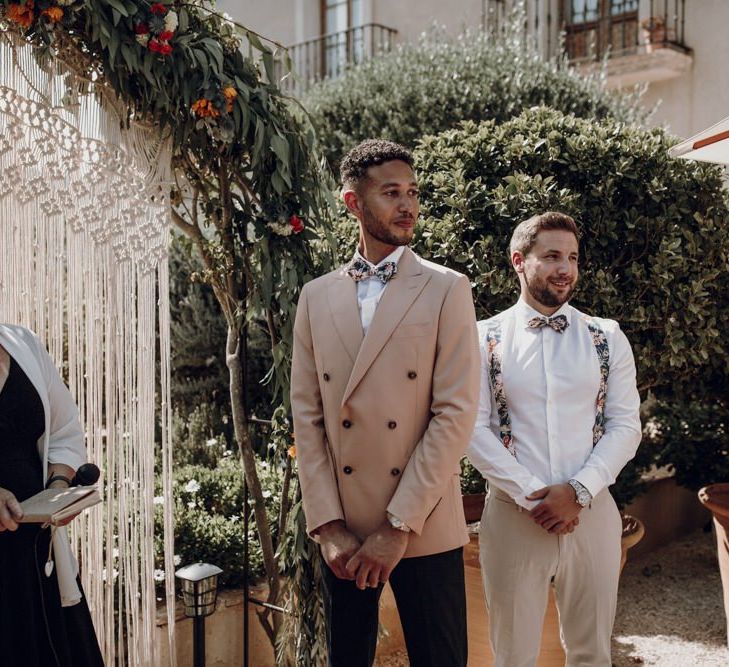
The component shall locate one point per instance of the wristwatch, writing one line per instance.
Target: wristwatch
(584, 497)
(397, 524)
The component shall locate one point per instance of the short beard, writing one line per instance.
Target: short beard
(541, 294)
(377, 229)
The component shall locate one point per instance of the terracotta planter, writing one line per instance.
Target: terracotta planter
(633, 531)
(473, 506)
(715, 498)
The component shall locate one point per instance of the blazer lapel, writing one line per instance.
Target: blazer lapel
(342, 295)
(397, 298)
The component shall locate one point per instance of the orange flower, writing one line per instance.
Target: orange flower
(21, 14)
(204, 108)
(230, 94)
(292, 451)
(54, 14)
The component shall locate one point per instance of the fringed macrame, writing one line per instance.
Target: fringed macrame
(84, 213)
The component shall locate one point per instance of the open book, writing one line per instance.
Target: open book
(55, 505)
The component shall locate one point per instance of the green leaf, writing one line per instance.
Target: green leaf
(183, 20)
(117, 5)
(216, 51)
(113, 46)
(269, 64)
(280, 147)
(129, 56)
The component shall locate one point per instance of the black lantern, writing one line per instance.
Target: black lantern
(199, 594)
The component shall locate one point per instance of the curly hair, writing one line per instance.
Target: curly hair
(525, 233)
(369, 153)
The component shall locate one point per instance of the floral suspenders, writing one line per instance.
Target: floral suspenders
(493, 357)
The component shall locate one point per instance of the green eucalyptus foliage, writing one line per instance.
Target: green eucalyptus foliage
(303, 639)
(431, 86)
(655, 234)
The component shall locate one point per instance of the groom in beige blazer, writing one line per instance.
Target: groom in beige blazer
(384, 392)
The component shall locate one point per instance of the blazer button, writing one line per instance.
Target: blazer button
(347, 470)
(395, 472)
(391, 425)
(346, 423)
(326, 377)
(412, 375)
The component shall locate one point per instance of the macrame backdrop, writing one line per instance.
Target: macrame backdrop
(84, 215)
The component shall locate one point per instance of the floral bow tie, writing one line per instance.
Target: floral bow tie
(361, 270)
(559, 323)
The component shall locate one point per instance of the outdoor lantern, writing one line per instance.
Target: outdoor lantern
(199, 593)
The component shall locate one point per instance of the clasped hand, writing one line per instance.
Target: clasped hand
(558, 511)
(368, 564)
(10, 512)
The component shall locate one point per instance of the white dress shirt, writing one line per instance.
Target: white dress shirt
(551, 382)
(370, 290)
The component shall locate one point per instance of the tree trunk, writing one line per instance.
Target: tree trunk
(240, 426)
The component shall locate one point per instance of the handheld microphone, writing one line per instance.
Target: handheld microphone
(86, 475)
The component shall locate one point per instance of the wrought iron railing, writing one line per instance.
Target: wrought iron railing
(617, 28)
(329, 56)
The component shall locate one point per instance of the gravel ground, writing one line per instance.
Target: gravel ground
(670, 607)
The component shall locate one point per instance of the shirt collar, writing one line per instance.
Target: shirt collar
(525, 312)
(394, 256)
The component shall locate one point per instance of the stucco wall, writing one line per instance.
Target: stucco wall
(410, 18)
(699, 98)
(275, 19)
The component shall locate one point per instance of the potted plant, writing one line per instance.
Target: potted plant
(715, 498)
(654, 32)
(694, 441)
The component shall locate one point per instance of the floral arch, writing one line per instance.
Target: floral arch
(117, 117)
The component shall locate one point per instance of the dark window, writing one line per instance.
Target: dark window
(596, 27)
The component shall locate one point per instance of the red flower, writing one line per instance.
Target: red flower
(165, 35)
(158, 8)
(141, 29)
(296, 223)
(163, 48)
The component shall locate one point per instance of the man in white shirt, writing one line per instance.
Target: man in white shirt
(384, 392)
(558, 419)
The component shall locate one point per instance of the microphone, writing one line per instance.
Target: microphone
(86, 475)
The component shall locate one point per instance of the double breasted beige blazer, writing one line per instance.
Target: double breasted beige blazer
(381, 421)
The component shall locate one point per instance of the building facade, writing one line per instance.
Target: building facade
(672, 47)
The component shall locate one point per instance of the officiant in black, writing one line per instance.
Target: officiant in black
(44, 618)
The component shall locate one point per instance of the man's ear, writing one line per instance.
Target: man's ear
(517, 261)
(352, 202)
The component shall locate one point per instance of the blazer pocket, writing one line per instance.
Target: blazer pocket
(412, 330)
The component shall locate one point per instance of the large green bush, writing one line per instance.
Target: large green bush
(691, 439)
(430, 86)
(655, 230)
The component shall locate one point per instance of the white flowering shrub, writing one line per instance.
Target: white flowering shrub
(208, 508)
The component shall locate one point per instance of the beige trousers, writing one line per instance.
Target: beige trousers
(519, 560)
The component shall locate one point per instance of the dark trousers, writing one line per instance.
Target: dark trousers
(430, 593)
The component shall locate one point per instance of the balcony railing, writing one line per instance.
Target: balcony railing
(620, 31)
(329, 55)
